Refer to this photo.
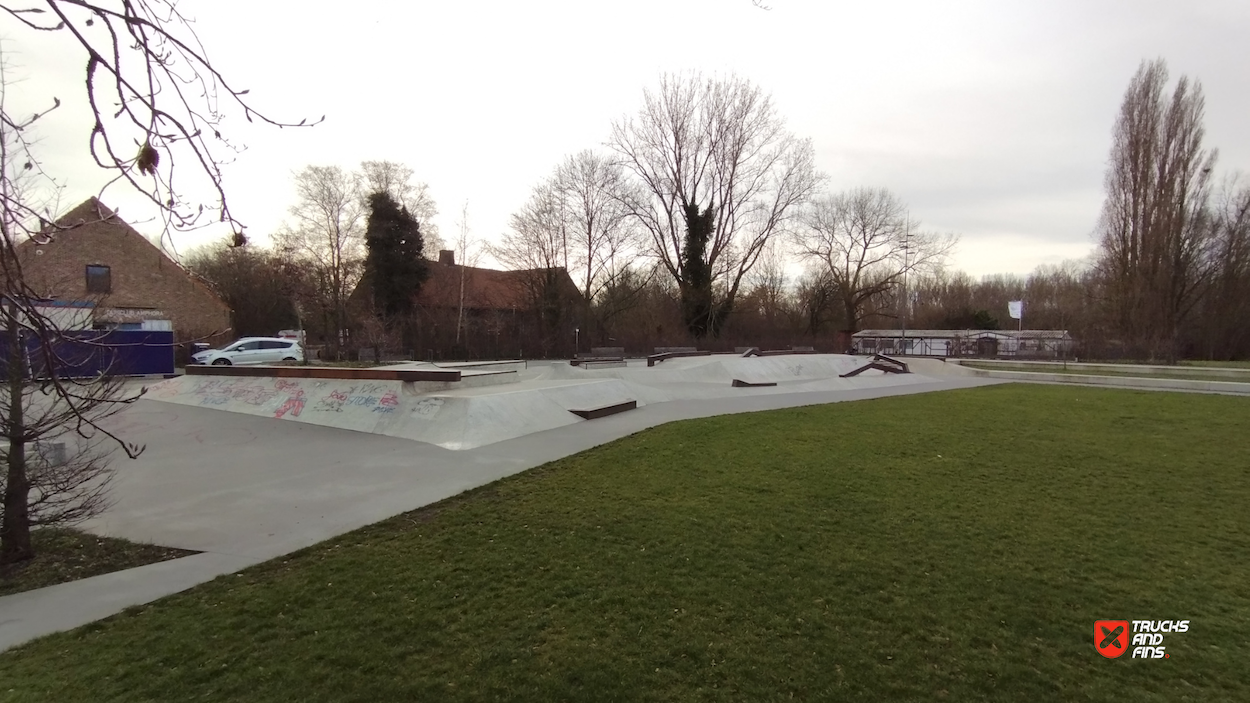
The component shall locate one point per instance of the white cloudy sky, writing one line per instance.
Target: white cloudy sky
(990, 119)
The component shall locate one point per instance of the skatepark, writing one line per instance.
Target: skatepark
(495, 401)
(245, 468)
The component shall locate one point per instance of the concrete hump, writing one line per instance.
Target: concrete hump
(457, 419)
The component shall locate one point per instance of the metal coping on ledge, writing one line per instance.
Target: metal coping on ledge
(337, 373)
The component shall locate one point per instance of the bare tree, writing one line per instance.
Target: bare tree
(578, 220)
(864, 242)
(149, 82)
(252, 281)
(1226, 306)
(538, 247)
(719, 177)
(157, 104)
(396, 179)
(1153, 230)
(601, 233)
(327, 233)
(468, 250)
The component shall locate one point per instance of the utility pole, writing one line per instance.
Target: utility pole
(906, 251)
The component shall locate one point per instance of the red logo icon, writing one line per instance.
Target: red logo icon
(1111, 637)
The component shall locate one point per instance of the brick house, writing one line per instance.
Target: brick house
(505, 312)
(99, 259)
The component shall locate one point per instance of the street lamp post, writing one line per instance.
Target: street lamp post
(906, 251)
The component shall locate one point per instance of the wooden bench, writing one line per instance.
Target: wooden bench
(602, 364)
(588, 361)
(604, 411)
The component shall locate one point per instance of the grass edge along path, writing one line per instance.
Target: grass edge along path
(944, 546)
(65, 554)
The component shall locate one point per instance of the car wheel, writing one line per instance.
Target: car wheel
(221, 362)
(290, 358)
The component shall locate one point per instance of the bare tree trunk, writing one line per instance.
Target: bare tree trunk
(15, 543)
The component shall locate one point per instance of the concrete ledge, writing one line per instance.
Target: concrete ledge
(606, 410)
(737, 383)
(1174, 384)
(661, 356)
(329, 372)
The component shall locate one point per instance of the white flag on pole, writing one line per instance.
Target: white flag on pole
(1015, 308)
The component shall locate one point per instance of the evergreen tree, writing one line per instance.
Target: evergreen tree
(700, 312)
(393, 263)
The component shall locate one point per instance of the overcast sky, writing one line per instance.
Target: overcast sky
(989, 119)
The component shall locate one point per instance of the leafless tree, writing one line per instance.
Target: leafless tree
(1226, 306)
(1154, 230)
(864, 242)
(326, 232)
(469, 251)
(719, 177)
(157, 105)
(149, 82)
(578, 220)
(602, 237)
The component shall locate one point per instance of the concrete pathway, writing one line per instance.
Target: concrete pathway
(243, 489)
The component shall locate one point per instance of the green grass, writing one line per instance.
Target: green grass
(67, 555)
(1182, 373)
(948, 546)
(1218, 364)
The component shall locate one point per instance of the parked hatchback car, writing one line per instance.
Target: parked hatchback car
(252, 350)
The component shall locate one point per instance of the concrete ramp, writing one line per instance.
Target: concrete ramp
(461, 418)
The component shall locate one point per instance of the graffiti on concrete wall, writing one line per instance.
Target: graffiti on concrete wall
(290, 398)
(364, 395)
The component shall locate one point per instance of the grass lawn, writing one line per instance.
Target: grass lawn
(1187, 373)
(1218, 364)
(949, 546)
(66, 555)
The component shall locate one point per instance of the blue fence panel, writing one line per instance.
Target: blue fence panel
(87, 353)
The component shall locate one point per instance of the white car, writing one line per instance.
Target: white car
(252, 350)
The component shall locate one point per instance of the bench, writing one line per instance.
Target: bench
(604, 411)
(747, 384)
(588, 361)
(602, 363)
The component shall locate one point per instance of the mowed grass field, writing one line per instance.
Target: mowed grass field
(947, 546)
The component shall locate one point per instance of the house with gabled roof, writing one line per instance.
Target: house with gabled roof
(93, 257)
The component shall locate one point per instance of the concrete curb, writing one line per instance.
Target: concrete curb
(25, 616)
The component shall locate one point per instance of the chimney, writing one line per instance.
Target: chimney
(447, 256)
